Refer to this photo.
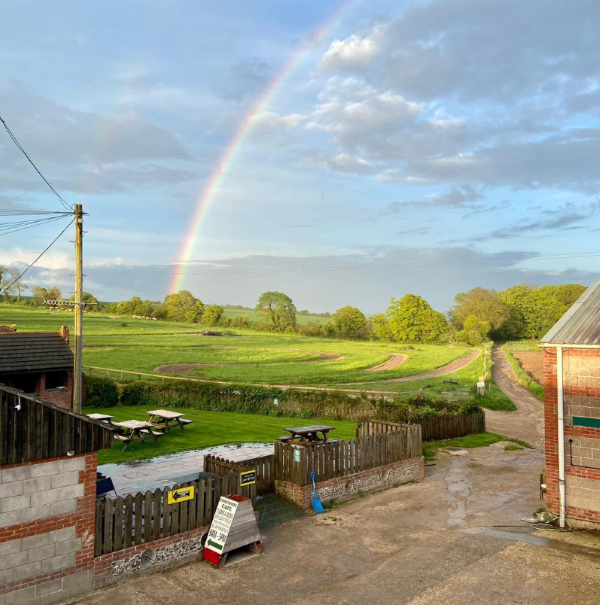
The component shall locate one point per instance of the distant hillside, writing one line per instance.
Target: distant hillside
(254, 318)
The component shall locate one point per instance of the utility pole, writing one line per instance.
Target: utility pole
(78, 309)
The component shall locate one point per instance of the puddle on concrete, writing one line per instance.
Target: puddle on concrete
(535, 540)
(216, 449)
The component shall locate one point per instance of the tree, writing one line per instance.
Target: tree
(212, 314)
(475, 331)
(411, 319)
(42, 294)
(182, 306)
(348, 322)
(88, 298)
(277, 310)
(10, 282)
(381, 327)
(485, 305)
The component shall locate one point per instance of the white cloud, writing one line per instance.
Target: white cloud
(353, 53)
(269, 122)
(52, 260)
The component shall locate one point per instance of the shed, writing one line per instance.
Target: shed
(38, 363)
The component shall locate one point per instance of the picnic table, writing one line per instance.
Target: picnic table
(135, 430)
(101, 418)
(307, 435)
(164, 419)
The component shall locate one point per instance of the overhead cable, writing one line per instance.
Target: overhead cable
(20, 148)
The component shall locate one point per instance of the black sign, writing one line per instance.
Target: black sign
(247, 477)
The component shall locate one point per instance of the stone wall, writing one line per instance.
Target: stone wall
(62, 397)
(351, 486)
(582, 443)
(125, 564)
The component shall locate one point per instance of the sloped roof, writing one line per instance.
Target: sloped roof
(32, 429)
(33, 351)
(580, 325)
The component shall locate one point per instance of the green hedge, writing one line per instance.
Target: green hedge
(100, 392)
(252, 399)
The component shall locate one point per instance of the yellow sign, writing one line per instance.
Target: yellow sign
(181, 495)
(247, 477)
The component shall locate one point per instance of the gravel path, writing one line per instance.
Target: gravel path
(527, 422)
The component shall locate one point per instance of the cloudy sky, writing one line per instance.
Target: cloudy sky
(418, 146)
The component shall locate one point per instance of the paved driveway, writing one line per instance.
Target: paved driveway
(440, 542)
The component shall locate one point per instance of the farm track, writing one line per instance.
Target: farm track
(453, 366)
(527, 422)
(396, 359)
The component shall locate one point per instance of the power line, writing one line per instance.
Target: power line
(12, 227)
(335, 268)
(14, 281)
(20, 148)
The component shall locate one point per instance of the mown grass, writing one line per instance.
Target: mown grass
(535, 388)
(238, 356)
(209, 429)
(430, 448)
(494, 398)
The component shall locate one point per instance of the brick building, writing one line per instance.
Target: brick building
(48, 463)
(572, 412)
(38, 363)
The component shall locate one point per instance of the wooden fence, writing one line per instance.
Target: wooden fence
(433, 429)
(264, 467)
(144, 517)
(342, 458)
(32, 429)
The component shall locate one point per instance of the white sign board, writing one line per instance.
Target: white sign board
(221, 524)
(480, 385)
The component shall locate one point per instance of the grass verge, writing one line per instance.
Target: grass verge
(535, 388)
(430, 448)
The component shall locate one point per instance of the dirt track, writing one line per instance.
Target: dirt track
(527, 422)
(395, 360)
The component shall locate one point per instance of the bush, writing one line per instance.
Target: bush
(100, 392)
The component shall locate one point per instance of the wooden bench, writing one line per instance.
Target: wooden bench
(125, 440)
(150, 433)
(182, 422)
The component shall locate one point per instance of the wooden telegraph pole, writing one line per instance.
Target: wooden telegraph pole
(78, 309)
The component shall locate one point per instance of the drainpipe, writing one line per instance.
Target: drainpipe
(561, 435)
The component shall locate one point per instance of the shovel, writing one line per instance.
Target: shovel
(316, 503)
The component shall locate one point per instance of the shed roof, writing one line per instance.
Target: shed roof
(33, 351)
(580, 325)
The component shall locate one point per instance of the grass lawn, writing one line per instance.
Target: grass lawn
(478, 440)
(209, 429)
(237, 355)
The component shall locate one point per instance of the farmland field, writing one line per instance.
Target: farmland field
(254, 317)
(236, 355)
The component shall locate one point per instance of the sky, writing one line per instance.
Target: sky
(418, 146)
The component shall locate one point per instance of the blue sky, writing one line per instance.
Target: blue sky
(424, 147)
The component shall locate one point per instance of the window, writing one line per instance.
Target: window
(57, 380)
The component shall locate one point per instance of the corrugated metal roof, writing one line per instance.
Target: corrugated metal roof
(580, 325)
(33, 351)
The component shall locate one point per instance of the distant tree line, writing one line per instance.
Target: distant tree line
(520, 312)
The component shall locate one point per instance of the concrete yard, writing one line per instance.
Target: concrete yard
(455, 538)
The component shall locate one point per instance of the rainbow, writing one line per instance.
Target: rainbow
(242, 130)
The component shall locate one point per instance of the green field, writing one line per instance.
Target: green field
(209, 429)
(235, 356)
(254, 317)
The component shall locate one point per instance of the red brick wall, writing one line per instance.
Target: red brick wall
(61, 397)
(580, 388)
(83, 520)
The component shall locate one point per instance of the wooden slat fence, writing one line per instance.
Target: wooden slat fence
(264, 466)
(32, 429)
(433, 429)
(143, 517)
(342, 458)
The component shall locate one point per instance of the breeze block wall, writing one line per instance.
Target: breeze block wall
(350, 486)
(582, 433)
(47, 512)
